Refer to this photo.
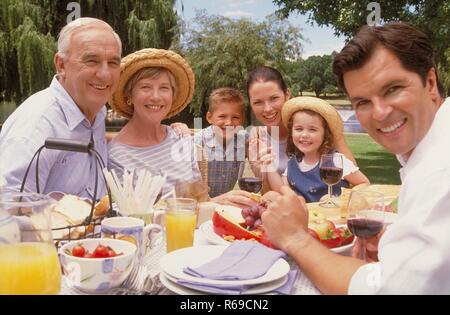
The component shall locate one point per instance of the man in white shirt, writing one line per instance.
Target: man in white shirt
(72, 107)
(390, 77)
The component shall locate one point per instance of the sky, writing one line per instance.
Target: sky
(321, 39)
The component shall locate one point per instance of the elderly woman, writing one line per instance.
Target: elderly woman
(156, 84)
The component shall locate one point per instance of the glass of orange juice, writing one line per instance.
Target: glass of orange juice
(180, 218)
(29, 261)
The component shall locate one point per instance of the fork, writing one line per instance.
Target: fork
(151, 286)
(136, 278)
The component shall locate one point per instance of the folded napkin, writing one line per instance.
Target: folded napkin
(241, 260)
(238, 289)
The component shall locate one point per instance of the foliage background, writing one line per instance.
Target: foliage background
(221, 50)
(346, 17)
(29, 29)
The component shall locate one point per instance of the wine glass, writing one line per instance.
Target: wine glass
(331, 173)
(365, 217)
(29, 261)
(250, 176)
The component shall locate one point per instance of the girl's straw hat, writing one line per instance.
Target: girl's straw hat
(323, 108)
(161, 58)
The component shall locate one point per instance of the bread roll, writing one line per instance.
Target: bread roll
(102, 207)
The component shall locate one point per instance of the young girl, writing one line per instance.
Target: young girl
(314, 128)
(267, 93)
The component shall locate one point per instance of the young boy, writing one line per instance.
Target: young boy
(224, 140)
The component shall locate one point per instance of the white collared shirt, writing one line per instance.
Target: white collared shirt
(51, 113)
(414, 252)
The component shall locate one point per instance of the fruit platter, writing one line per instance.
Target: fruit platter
(231, 223)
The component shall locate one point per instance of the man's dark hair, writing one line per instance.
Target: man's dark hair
(411, 46)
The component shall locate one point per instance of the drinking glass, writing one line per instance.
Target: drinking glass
(250, 176)
(29, 261)
(331, 173)
(365, 217)
(181, 219)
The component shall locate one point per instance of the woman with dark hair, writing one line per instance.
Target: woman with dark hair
(267, 92)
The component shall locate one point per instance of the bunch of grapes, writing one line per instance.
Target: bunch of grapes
(253, 214)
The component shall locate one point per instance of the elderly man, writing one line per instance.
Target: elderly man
(72, 107)
(390, 77)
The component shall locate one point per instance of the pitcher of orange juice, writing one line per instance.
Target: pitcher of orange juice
(29, 261)
(180, 218)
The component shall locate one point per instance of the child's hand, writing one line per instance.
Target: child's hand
(182, 130)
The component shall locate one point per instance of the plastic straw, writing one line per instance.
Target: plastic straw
(139, 197)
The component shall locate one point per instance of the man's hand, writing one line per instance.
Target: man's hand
(237, 198)
(286, 218)
(182, 130)
(371, 247)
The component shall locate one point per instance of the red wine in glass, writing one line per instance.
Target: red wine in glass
(331, 175)
(364, 228)
(365, 217)
(250, 184)
(330, 171)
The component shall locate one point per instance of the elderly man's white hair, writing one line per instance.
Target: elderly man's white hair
(82, 23)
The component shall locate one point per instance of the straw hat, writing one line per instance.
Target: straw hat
(150, 57)
(323, 108)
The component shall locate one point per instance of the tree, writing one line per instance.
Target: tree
(29, 28)
(315, 74)
(222, 51)
(346, 17)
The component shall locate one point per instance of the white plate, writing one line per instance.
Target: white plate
(174, 262)
(343, 249)
(171, 284)
(207, 229)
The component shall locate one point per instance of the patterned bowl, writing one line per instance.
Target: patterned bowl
(97, 274)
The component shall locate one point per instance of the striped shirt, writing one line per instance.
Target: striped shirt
(174, 157)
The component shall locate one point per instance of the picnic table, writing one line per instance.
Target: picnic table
(302, 286)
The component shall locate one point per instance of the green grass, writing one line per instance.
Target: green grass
(380, 166)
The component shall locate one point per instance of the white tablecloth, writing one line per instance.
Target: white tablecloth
(302, 285)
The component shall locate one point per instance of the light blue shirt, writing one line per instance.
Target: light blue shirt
(51, 113)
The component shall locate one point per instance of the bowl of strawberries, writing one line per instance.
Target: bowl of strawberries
(98, 264)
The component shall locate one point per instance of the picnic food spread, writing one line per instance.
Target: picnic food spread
(235, 224)
(71, 211)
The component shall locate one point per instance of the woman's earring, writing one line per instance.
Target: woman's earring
(129, 102)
